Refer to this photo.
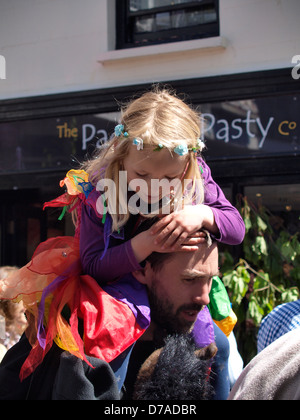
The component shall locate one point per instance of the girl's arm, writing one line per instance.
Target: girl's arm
(118, 259)
(230, 224)
(216, 214)
(103, 266)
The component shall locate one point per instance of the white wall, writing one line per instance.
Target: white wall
(55, 46)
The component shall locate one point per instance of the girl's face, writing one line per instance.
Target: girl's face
(148, 165)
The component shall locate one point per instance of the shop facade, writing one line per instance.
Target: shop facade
(252, 133)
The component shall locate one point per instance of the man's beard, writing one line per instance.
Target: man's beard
(164, 315)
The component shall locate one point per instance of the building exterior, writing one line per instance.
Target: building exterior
(66, 65)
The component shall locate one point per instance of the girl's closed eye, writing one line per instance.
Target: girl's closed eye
(145, 175)
(141, 175)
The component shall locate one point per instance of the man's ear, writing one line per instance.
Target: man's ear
(142, 275)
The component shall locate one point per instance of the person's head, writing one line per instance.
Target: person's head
(6, 270)
(179, 285)
(12, 312)
(158, 138)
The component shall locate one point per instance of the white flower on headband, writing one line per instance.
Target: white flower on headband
(201, 145)
(138, 142)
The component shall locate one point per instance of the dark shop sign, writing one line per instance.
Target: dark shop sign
(52, 143)
(258, 127)
(236, 129)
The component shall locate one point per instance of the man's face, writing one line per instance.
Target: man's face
(180, 289)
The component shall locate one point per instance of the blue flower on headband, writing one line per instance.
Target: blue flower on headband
(119, 130)
(181, 150)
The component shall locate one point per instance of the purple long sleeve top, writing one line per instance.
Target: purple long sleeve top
(106, 256)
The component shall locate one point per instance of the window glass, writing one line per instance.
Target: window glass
(283, 201)
(53, 143)
(177, 19)
(275, 197)
(145, 22)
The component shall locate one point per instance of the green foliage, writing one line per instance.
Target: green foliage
(269, 273)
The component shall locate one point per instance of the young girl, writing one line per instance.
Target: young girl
(158, 139)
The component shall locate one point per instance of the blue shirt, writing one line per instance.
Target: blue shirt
(281, 320)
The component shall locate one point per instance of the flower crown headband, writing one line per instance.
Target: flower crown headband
(181, 150)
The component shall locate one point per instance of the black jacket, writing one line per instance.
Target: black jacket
(61, 376)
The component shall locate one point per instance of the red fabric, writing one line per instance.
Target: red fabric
(61, 201)
(110, 326)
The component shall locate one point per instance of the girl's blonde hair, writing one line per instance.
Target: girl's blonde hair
(158, 117)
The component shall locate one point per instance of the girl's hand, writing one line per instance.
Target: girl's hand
(144, 244)
(173, 230)
(189, 244)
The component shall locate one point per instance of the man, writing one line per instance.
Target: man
(178, 285)
(178, 288)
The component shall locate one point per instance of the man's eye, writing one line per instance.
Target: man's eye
(188, 280)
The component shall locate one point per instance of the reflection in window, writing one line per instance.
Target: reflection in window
(136, 5)
(275, 197)
(281, 200)
(171, 20)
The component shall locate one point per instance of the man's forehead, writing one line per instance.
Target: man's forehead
(205, 255)
(204, 260)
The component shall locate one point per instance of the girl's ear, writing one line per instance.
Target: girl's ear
(144, 274)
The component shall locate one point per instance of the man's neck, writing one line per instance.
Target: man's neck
(156, 334)
(149, 333)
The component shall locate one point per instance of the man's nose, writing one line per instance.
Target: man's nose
(201, 297)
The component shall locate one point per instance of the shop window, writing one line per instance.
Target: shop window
(148, 22)
(280, 200)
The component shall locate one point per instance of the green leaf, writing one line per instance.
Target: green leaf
(243, 273)
(290, 295)
(288, 252)
(255, 311)
(248, 224)
(260, 245)
(260, 283)
(262, 226)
